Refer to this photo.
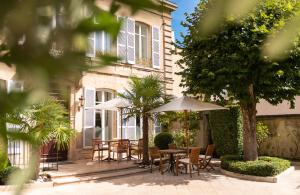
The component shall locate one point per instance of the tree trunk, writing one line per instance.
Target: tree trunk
(249, 126)
(145, 140)
(36, 160)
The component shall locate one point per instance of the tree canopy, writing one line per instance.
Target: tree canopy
(230, 62)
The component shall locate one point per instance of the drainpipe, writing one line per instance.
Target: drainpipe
(164, 44)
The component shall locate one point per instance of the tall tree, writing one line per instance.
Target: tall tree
(230, 61)
(145, 94)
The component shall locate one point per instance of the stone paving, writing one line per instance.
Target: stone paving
(156, 184)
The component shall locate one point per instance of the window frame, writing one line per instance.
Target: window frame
(140, 35)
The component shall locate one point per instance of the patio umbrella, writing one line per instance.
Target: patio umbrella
(116, 104)
(187, 104)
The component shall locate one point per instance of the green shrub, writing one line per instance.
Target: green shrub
(162, 140)
(5, 173)
(264, 166)
(227, 130)
(180, 137)
(262, 132)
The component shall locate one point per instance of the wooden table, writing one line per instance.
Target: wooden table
(172, 162)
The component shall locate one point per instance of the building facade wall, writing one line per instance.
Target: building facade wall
(116, 77)
(284, 139)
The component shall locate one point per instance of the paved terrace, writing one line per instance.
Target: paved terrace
(155, 184)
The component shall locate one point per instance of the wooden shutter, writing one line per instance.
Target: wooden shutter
(88, 116)
(122, 41)
(130, 41)
(155, 47)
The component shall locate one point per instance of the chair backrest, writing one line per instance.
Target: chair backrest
(154, 152)
(210, 150)
(123, 144)
(172, 146)
(194, 155)
(140, 144)
(96, 142)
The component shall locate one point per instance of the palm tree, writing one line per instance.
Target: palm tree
(39, 124)
(145, 94)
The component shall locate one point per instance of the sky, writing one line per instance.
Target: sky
(178, 15)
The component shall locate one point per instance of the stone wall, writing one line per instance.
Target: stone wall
(284, 140)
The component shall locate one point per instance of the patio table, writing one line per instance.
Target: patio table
(171, 153)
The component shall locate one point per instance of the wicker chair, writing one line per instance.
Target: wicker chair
(97, 145)
(190, 162)
(155, 156)
(204, 160)
(122, 146)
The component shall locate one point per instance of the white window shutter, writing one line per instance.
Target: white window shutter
(99, 41)
(91, 50)
(122, 41)
(88, 116)
(130, 41)
(14, 86)
(155, 47)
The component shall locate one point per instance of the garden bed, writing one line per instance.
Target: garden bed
(264, 167)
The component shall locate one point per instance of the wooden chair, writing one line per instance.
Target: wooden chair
(97, 145)
(205, 159)
(138, 148)
(188, 163)
(122, 146)
(156, 156)
(172, 146)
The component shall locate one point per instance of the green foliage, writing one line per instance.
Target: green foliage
(145, 94)
(180, 137)
(227, 130)
(167, 118)
(264, 166)
(5, 174)
(262, 132)
(162, 140)
(41, 123)
(230, 59)
(3, 161)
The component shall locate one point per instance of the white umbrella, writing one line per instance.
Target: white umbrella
(185, 104)
(115, 104)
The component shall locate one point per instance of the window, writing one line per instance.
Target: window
(98, 43)
(141, 43)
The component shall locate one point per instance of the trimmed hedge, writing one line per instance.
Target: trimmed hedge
(264, 166)
(162, 140)
(227, 130)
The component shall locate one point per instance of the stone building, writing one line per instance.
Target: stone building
(144, 44)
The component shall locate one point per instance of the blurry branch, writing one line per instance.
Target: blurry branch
(276, 45)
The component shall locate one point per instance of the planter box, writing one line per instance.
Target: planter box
(270, 179)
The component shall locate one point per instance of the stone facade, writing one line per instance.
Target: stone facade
(284, 140)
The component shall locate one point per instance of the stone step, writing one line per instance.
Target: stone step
(99, 176)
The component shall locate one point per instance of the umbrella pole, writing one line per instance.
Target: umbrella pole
(186, 130)
(121, 118)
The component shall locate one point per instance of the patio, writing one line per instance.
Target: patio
(152, 184)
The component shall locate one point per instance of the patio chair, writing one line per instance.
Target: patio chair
(188, 163)
(122, 146)
(97, 145)
(138, 148)
(172, 146)
(156, 157)
(205, 159)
